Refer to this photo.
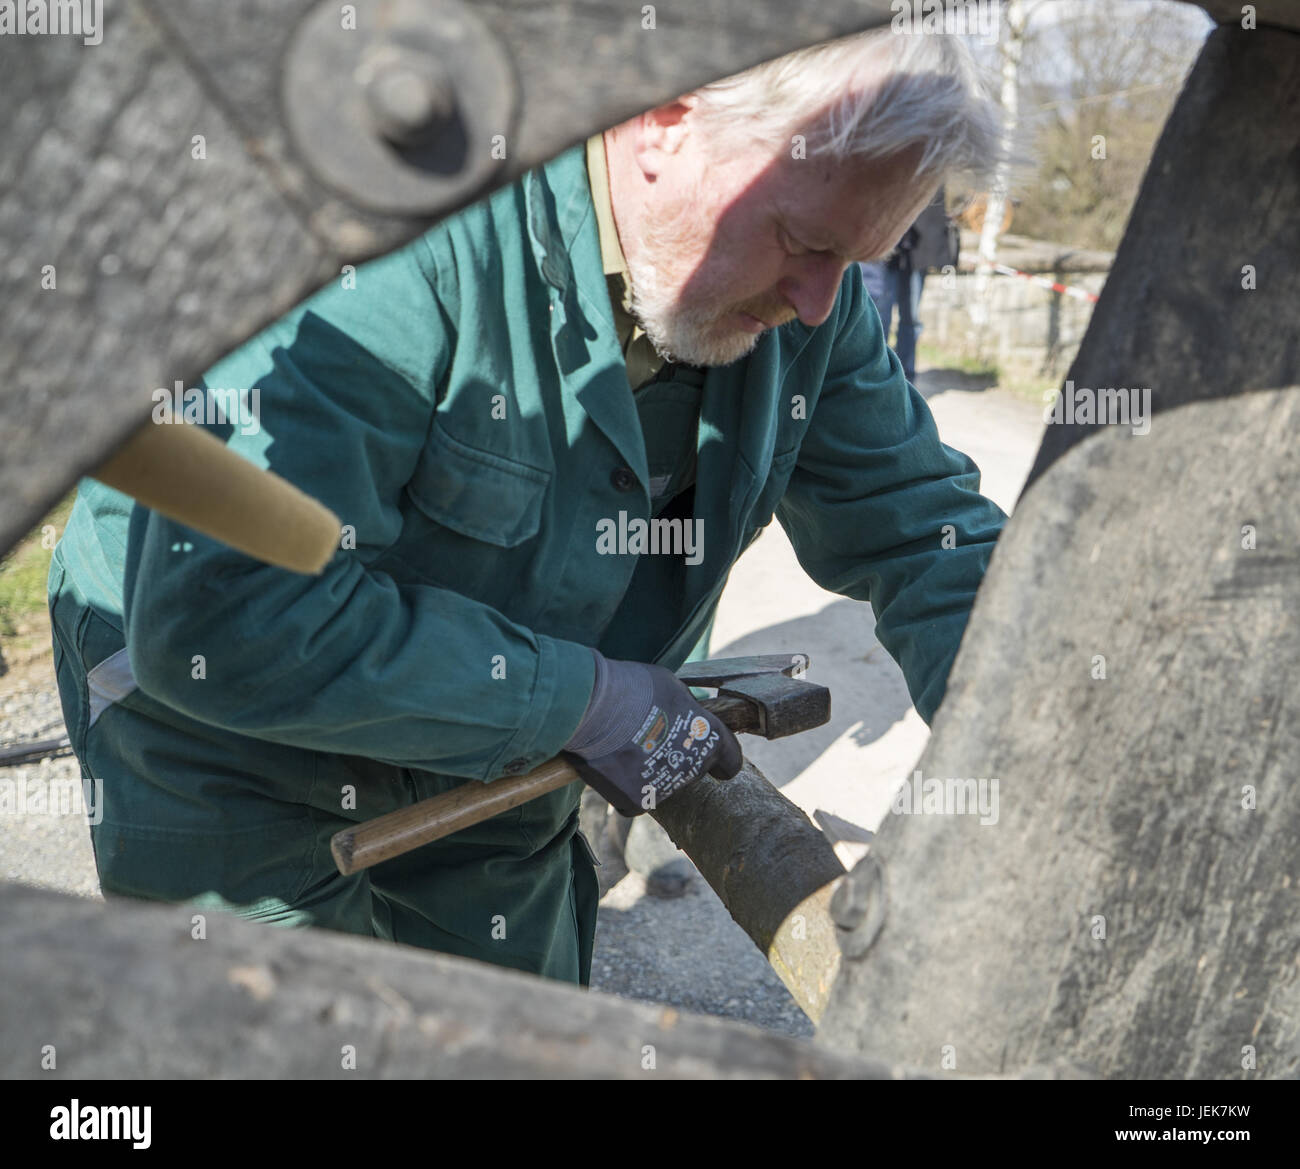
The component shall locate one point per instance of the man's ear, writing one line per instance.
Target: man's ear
(660, 133)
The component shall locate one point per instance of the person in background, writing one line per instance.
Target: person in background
(931, 242)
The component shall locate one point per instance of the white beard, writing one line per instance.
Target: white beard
(681, 334)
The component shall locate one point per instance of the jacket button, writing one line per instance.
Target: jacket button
(515, 766)
(623, 479)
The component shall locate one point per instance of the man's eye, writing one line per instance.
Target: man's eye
(794, 248)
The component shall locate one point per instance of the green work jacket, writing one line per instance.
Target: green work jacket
(463, 405)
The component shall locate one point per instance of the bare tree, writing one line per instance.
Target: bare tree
(1011, 49)
(1096, 85)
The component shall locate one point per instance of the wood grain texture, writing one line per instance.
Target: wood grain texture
(1121, 800)
(161, 261)
(124, 991)
(418, 824)
(771, 867)
(1134, 908)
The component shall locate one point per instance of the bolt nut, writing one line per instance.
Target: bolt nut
(849, 904)
(858, 907)
(409, 97)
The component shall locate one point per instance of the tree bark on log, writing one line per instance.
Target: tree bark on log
(771, 867)
(125, 990)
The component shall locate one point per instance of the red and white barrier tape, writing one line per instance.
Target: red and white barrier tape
(1043, 282)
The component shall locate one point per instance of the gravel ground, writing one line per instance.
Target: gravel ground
(52, 851)
(690, 954)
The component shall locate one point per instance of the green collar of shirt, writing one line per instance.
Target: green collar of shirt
(643, 361)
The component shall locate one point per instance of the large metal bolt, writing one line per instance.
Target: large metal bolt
(408, 95)
(858, 907)
(849, 904)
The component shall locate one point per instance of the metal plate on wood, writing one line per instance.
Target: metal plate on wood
(408, 111)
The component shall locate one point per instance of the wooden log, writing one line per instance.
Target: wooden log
(127, 991)
(771, 867)
(1265, 13)
(1133, 909)
(1129, 674)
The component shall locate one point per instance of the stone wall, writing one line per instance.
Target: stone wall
(1025, 327)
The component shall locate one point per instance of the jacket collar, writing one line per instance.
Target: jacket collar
(561, 217)
(566, 247)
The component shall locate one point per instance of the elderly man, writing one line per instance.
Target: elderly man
(665, 323)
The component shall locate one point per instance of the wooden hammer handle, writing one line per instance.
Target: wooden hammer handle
(399, 832)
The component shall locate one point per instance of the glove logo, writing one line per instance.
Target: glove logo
(650, 743)
(699, 728)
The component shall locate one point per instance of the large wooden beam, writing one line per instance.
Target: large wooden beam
(128, 991)
(1130, 678)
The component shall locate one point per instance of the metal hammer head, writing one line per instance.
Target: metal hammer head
(782, 704)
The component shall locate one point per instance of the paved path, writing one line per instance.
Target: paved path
(854, 765)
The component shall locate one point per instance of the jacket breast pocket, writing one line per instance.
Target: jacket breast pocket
(472, 521)
(478, 494)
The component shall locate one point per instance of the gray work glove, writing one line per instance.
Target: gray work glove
(646, 736)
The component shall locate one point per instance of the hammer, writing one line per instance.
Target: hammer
(757, 695)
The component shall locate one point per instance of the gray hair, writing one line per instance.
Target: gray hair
(870, 95)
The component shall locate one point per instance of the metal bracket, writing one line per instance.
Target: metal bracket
(406, 114)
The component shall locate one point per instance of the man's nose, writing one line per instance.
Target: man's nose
(811, 287)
